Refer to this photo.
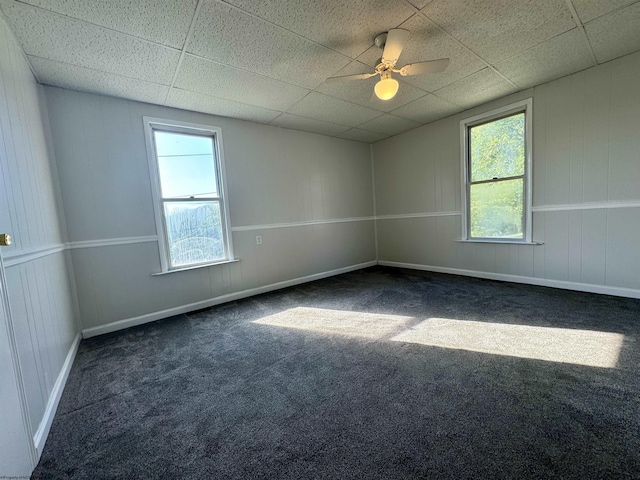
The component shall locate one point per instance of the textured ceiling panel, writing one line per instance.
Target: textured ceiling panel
(348, 27)
(362, 135)
(162, 21)
(560, 56)
(218, 106)
(420, 3)
(427, 109)
(225, 34)
(389, 124)
(49, 35)
(361, 91)
(428, 42)
(295, 122)
(498, 29)
(476, 89)
(83, 79)
(329, 109)
(205, 76)
(590, 9)
(615, 34)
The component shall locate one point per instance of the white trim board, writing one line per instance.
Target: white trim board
(588, 206)
(170, 312)
(244, 228)
(40, 437)
(22, 256)
(417, 215)
(107, 242)
(542, 282)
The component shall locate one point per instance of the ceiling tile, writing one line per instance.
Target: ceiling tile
(590, 9)
(83, 79)
(427, 109)
(205, 76)
(362, 135)
(476, 89)
(55, 37)
(227, 35)
(294, 122)
(161, 21)
(329, 109)
(499, 29)
(428, 42)
(348, 27)
(218, 106)
(361, 91)
(555, 58)
(616, 34)
(420, 3)
(389, 124)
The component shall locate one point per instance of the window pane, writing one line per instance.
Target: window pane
(497, 148)
(496, 209)
(186, 165)
(194, 232)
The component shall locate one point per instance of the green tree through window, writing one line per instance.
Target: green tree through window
(496, 173)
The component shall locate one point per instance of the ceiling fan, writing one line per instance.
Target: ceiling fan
(392, 43)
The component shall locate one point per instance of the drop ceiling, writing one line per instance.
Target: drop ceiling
(267, 61)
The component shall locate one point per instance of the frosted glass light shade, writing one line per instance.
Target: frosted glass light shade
(386, 88)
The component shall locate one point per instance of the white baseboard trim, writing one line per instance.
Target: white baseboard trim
(543, 282)
(41, 434)
(151, 317)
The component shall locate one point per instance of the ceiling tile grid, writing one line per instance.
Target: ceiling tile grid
(205, 76)
(226, 34)
(481, 87)
(360, 135)
(560, 56)
(218, 106)
(499, 29)
(56, 37)
(93, 81)
(347, 27)
(162, 21)
(268, 61)
(615, 34)
(295, 122)
(330, 109)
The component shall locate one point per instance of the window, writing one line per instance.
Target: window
(187, 173)
(496, 165)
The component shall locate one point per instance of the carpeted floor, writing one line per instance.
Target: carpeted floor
(376, 374)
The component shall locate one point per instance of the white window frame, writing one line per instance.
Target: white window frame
(175, 126)
(526, 107)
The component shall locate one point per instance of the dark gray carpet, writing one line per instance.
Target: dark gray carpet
(212, 395)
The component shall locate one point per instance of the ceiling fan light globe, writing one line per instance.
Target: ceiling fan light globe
(386, 88)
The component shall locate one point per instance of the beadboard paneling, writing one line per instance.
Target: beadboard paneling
(39, 289)
(586, 149)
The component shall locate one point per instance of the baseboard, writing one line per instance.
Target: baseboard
(41, 434)
(151, 317)
(543, 282)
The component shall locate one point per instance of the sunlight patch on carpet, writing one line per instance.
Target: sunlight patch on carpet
(354, 324)
(582, 347)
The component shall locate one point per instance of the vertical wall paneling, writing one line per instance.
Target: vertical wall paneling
(39, 289)
(586, 187)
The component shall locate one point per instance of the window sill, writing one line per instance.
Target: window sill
(508, 242)
(195, 267)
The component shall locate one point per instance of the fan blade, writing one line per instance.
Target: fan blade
(358, 76)
(394, 44)
(434, 66)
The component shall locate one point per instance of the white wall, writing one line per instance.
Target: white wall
(275, 176)
(586, 189)
(38, 282)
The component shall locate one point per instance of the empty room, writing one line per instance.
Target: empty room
(284, 239)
